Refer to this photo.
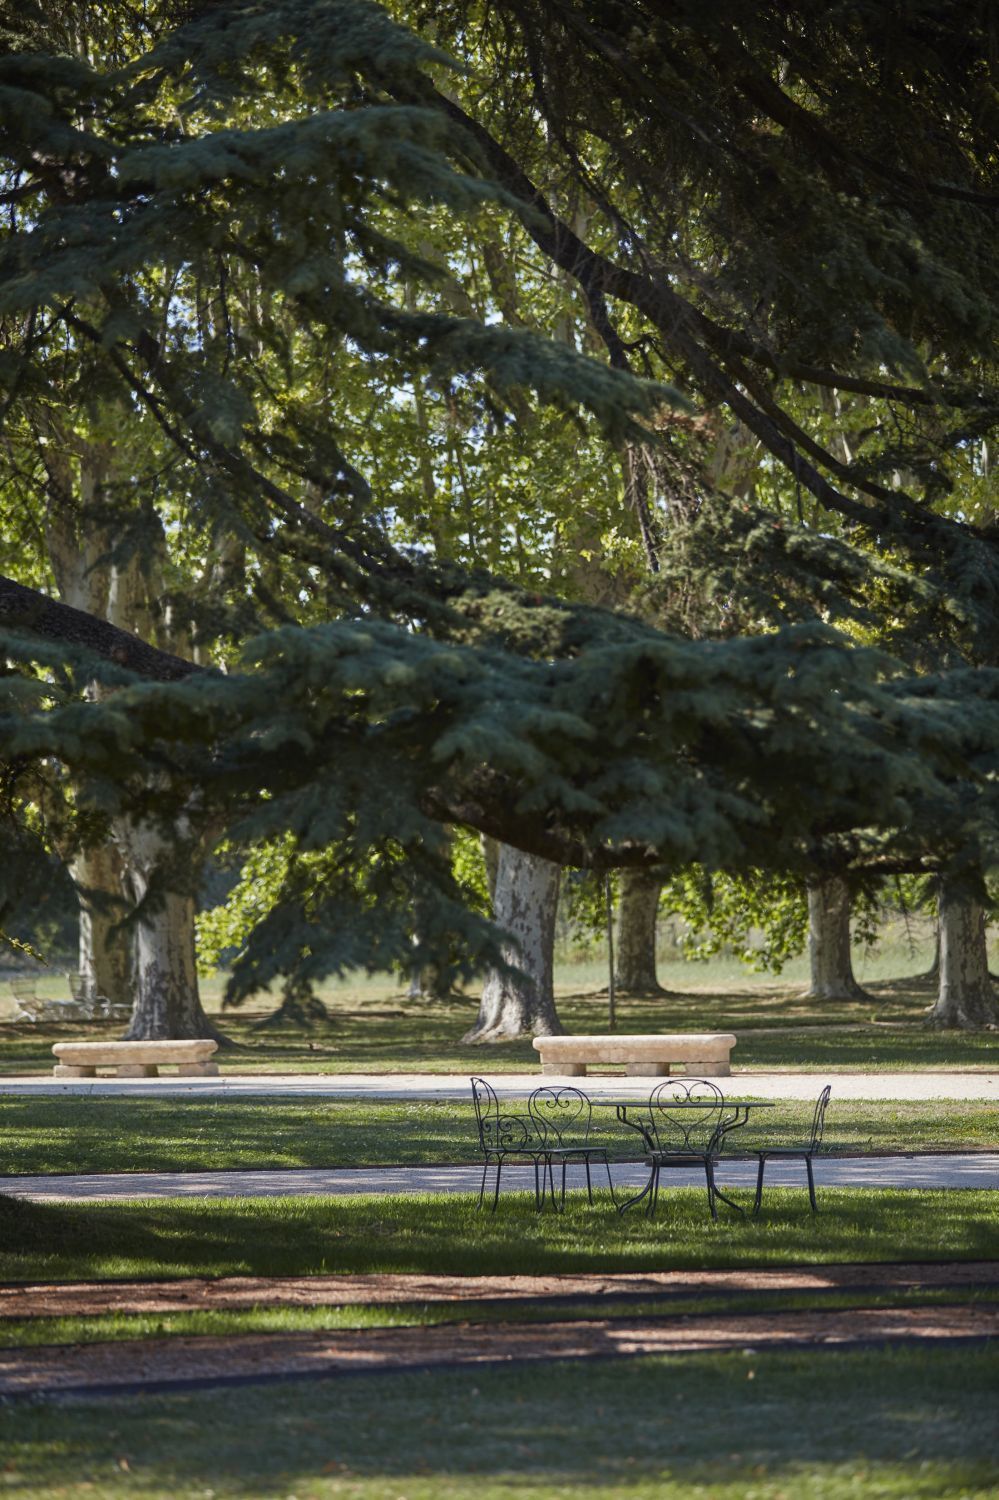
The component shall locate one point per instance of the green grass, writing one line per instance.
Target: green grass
(446, 1234)
(114, 1327)
(375, 1029)
(900, 1424)
(102, 1134)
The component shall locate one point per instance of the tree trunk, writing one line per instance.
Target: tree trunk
(167, 1003)
(490, 856)
(829, 942)
(105, 954)
(635, 937)
(522, 1003)
(966, 999)
(933, 972)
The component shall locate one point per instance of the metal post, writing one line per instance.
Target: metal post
(611, 1008)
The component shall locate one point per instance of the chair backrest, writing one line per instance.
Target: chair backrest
(500, 1131)
(819, 1117)
(687, 1115)
(562, 1115)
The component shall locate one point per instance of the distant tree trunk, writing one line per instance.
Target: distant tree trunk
(966, 999)
(829, 954)
(635, 937)
(167, 1003)
(522, 1004)
(105, 954)
(490, 854)
(933, 972)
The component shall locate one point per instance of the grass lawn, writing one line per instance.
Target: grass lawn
(101, 1134)
(374, 1028)
(446, 1234)
(902, 1424)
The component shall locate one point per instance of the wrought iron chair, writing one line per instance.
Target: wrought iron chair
(805, 1153)
(688, 1121)
(502, 1135)
(564, 1116)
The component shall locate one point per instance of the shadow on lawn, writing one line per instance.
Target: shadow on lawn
(898, 1422)
(445, 1234)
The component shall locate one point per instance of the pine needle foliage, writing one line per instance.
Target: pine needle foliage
(192, 207)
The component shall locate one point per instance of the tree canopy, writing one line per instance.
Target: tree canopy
(233, 259)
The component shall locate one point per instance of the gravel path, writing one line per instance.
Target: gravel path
(965, 1084)
(969, 1170)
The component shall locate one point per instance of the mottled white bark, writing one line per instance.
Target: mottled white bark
(635, 935)
(105, 951)
(966, 999)
(167, 1003)
(522, 1003)
(829, 952)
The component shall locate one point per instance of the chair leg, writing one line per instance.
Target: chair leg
(589, 1185)
(759, 1185)
(551, 1183)
(650, 1210)
(610, 1181)
(482, 1187)
(811, 1184)
(499, 1168)
(709, 1173)
(564, 1165)
(538, 1198)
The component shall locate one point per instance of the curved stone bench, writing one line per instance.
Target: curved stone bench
(134, 1059)
(643, 1056)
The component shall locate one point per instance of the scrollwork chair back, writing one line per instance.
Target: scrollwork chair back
(561, 1115)
(687, 1131)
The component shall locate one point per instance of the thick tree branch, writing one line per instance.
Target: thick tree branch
(26, 609)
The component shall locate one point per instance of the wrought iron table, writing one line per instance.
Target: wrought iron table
(739, 1109)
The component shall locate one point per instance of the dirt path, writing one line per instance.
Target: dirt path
(144, 1364)
(82, 1298)
(189, 1362)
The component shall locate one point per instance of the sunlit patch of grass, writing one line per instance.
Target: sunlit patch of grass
(102, 1134)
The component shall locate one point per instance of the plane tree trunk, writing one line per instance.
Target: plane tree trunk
(167, 1003)
(829, 951)
(635, 937)
(105, 949)
(521, 1002)
(966, 999)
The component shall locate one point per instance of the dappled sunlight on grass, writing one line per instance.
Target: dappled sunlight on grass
(445, 1233)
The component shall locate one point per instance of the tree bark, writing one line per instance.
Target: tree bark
(829, 953)
(635, 938)
(522, 1003)
(966, 1000)
(167, 1003)
(105, 953)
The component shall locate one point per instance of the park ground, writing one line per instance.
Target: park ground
(402, 1347)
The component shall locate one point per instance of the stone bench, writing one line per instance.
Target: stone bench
(701, 1053)
(134, 1059)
